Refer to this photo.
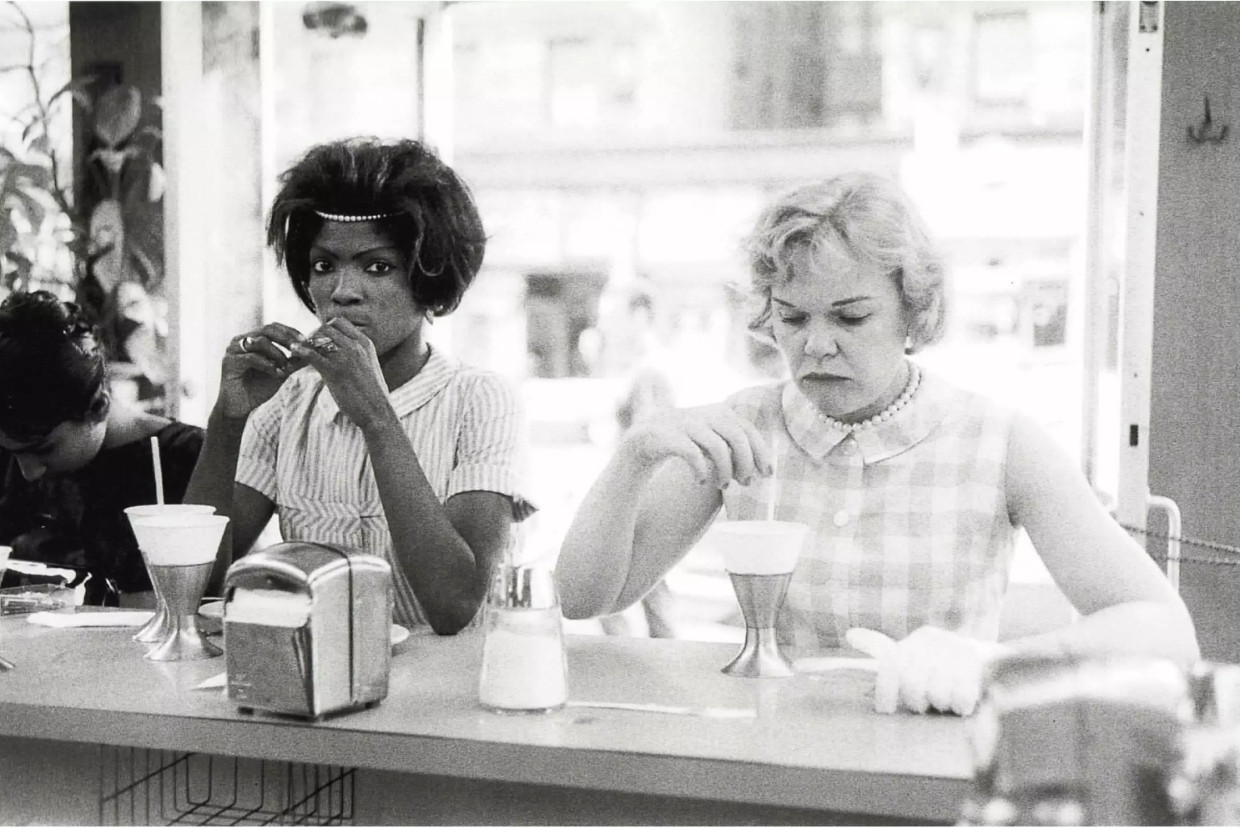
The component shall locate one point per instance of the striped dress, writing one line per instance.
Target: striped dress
(310, 460)
(909, 518)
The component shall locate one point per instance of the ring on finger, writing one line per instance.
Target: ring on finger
(323, 344)
(245, 343)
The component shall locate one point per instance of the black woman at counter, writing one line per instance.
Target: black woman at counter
(913, 489)
(72, 457)
(363, 434)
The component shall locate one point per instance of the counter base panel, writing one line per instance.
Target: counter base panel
(390, 799)
(44, 785)
(48, 782)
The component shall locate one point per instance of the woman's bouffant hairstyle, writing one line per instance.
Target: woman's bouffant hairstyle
(433, 216)
(861, 216)
(52, 367)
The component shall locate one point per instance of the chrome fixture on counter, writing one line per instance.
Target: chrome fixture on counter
(307, 629)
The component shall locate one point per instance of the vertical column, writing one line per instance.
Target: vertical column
(268, 156)
(1104, 149)
(1145, 66)
(184, 251)
(436, 114)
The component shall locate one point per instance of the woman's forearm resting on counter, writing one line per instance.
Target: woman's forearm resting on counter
(1139, 628)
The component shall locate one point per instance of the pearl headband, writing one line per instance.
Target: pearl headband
(344, 217)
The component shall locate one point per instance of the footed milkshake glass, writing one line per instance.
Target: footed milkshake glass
(157, 629)
(760, 557)
(181, 552)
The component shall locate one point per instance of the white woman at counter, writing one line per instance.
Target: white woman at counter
(72, 457)
(914, 489)
(362, 434)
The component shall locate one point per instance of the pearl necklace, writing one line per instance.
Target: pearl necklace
(914, 381)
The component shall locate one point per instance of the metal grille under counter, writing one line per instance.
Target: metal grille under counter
(151, 787)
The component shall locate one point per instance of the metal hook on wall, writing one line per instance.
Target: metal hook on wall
(1206, 131)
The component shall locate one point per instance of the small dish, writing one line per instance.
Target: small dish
(211, 617)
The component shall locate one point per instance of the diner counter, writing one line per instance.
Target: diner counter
(814, 751)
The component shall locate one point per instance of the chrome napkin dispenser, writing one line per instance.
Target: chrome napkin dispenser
(307, 629)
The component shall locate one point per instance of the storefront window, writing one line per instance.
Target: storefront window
(656, 156)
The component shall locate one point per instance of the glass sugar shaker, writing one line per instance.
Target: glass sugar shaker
(524, 667)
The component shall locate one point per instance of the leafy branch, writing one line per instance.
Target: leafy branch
(115, 240)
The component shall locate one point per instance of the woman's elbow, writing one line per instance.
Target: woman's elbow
(577, 602)
(452, 619)
(572, 603)
(577, 591)
(574, 609)
(445, 627)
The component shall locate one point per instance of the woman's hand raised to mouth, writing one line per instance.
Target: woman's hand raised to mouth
(346, 359)
(255, 365)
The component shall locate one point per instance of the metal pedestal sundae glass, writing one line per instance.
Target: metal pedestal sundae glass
(180, 551)
(160, 625)
(760, 557)
(760, 598)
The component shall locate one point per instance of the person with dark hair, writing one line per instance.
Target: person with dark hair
(362, 434)
(73, 458)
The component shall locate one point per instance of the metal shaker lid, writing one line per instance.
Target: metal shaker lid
(523, 587)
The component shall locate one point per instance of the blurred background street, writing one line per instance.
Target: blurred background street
(618, 152)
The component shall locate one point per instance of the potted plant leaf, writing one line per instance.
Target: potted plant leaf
(99, 240)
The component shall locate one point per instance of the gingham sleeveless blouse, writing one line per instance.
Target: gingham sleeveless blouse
(909, 522)
(310, 460)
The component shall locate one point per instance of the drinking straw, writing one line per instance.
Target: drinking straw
(773, 491)
(159, 472)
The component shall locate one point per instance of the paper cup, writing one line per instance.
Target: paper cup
(178, 539)
(759, 547)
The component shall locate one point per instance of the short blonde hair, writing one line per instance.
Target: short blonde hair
(862, 216)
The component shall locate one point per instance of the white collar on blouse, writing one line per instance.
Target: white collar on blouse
(906, 428)
(410, 396)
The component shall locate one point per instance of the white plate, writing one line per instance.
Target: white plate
(215, 610)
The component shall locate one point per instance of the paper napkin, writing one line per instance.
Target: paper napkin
(120, 618)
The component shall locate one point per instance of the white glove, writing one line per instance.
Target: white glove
(931, 668)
